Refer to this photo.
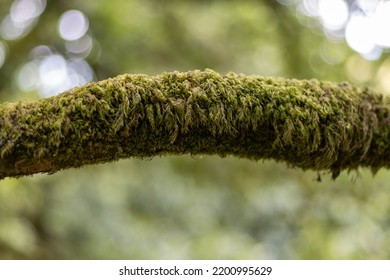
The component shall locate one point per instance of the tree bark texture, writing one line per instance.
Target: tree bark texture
(306, 123)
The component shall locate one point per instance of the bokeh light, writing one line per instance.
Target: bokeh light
(310, 7)
(40, 51)
(383, 77)
(363, 23)
(359, 35)
(287, 2)
(368, 6)
(359, 69)
(180, 211)
(21, 19)
(24, 11)
(50, 74)
(80, 48)
(53, 73)
(72, 25)
(10, 31)
(28, 78)
(381, 28)
(333, 13)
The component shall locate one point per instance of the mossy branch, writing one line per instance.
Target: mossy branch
(308, 124)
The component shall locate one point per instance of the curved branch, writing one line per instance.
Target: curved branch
(308, 124)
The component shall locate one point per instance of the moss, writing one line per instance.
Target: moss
(307, 123)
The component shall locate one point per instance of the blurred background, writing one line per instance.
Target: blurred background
(184, 207)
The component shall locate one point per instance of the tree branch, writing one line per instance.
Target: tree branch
(308, 124)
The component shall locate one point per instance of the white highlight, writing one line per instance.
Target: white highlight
(53, 71)
(53, 74)
(11, 31)
(21, 19)
(368, 6)
(80, 48)
(333, 13)
(359, 34)
(310, 7)
(28, 77)
(24, 11)
(72, 25)
(366, 29)
(381, 25)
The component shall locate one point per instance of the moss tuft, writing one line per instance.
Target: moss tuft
(307, 123)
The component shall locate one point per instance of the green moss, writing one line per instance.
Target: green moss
(308, 124)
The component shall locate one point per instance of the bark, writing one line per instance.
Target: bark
(308, 124)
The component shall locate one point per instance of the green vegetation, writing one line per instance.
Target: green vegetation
(193, 206)
(308, 124)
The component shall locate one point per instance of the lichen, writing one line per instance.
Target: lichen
(306, 123)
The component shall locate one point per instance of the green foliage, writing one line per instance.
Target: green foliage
(200, 207)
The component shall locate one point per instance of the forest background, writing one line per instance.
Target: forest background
(184, 207)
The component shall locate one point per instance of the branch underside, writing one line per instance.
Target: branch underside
(306, 123)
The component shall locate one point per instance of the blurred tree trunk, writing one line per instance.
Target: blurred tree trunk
(308, 124)
(290, 33)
